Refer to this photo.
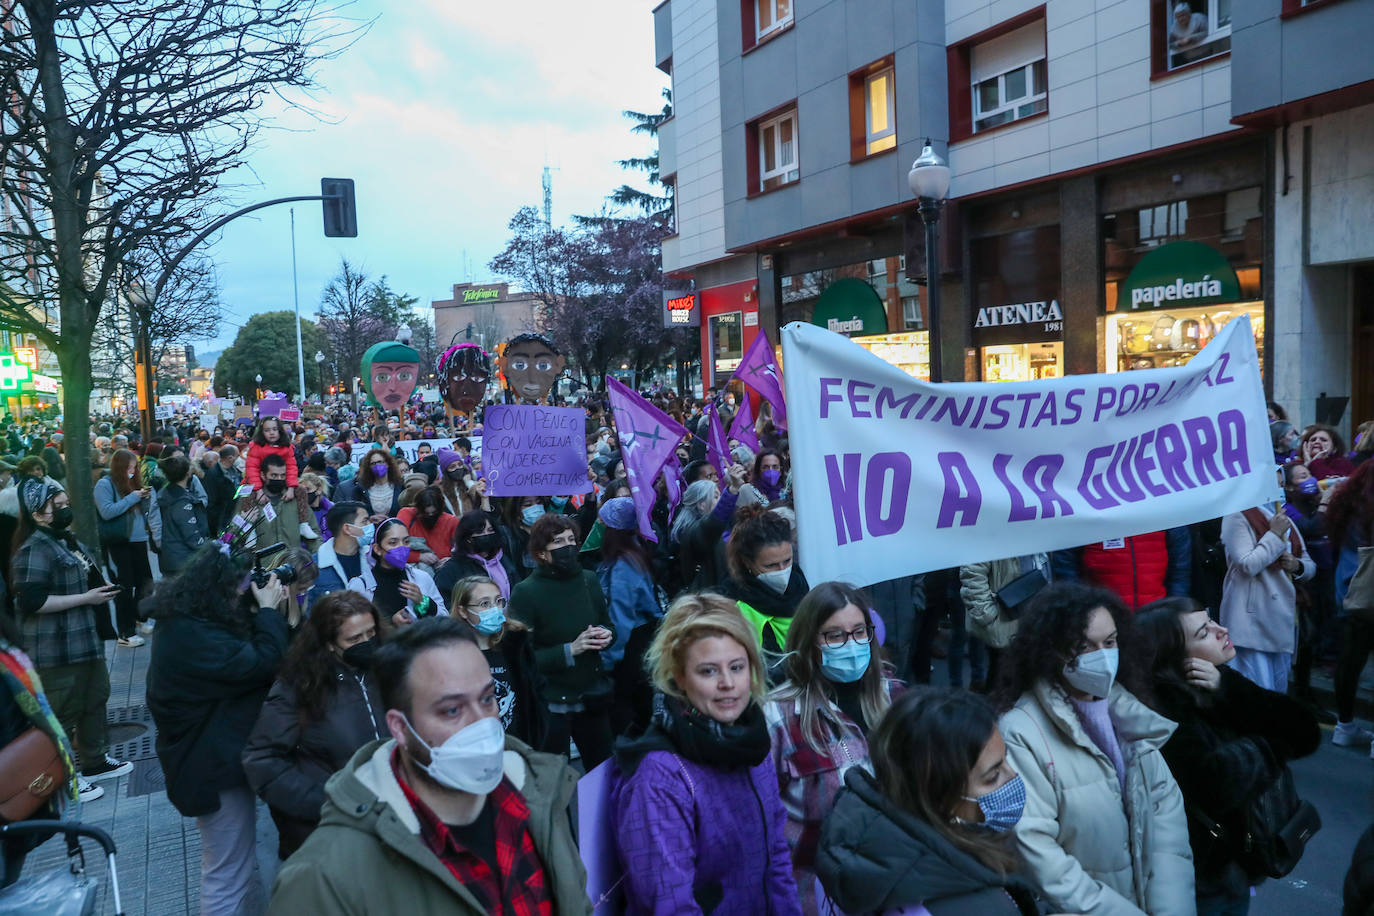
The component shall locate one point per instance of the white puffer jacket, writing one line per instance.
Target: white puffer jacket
(1089, 852)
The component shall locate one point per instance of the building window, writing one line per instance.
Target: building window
(1162, 223)
(1196, 30)
(911, 313)
(880, 116)
(771, 16)
(1018, 93)
(778, 155)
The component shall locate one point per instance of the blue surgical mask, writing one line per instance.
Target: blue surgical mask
(1003, 806)
(531, 514)
(848, 663)
(558, 501)
(369, 532)
(490, 621)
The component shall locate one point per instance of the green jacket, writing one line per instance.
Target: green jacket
(556, 610)
(366, 857)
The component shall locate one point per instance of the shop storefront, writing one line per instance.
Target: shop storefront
(1018, 323)
(729, 319)
(870, 302)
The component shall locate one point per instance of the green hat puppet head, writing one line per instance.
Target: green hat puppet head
(390, 371)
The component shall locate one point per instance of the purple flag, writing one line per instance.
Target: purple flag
(742, 427)
(717, 446)
(648, 438)
(759, 371)
(672, 482)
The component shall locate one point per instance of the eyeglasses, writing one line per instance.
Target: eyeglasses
(487, 605)
(862, 635)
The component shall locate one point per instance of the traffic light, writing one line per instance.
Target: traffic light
(340, 212)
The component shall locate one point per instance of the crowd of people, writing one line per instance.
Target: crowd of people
(414, 675)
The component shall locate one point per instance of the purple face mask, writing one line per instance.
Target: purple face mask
(771, 476)
(378, 469)
(1309, 486)
(397, 556)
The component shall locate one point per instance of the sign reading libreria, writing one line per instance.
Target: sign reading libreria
(895, 476)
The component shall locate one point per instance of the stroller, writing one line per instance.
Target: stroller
(61, 892)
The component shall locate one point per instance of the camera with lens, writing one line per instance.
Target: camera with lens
(285, 572)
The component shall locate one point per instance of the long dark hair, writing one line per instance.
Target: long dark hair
(1049, 635)
(213, 586)
(470, 524)
(755, 528)
(310, 668)
(1352, 506)
(627, 543)
(260, 434)
(802, 668)
(1159, 649)
(922, 751)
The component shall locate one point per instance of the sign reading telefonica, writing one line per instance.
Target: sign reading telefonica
(480, 295)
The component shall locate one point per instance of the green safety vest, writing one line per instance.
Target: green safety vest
(758, 620)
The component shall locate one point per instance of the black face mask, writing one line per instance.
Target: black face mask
(359, 655)
(486, 544)
(61, 518)
(275, 487)
(564, 561)
(314, 499)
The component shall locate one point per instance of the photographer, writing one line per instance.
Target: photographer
(217, 651)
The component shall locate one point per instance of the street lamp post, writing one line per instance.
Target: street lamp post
(319, 369)
(929, 181)
(257, 392)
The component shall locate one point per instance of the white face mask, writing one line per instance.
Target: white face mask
(1094, 672)
(776, 579)
(471, 760)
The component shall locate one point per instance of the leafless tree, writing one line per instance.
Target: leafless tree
(121, 119)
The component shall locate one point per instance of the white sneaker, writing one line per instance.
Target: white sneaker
(132, 642)
(1349, 734)
(146, 628)
(89, 791)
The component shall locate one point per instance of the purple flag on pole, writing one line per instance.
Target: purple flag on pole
(672, 482)
(742, 427)
(648, 438)
(717, 446)
(759, 371)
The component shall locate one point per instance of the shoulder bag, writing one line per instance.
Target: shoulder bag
(115, 530)
(1359, 597)
(1274, 829)
(31, 771)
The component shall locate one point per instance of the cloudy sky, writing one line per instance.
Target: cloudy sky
(445, 114)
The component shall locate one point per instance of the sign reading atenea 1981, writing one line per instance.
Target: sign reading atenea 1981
(992, 316)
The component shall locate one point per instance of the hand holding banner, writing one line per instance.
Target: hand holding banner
(894, 476)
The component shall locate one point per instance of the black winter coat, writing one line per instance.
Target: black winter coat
(184, 527)
(206, 685)
(288, 759)
(531, 723)
(461, 566)
(873, 857)
(1224, 753)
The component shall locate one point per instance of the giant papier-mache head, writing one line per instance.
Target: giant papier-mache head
(390, 372)
(531, 365)
(463, 371)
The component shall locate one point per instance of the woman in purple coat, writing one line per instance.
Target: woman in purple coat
(699, 825)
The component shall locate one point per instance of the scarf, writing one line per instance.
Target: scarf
(495, 571)
(703, 740)
(23, 683)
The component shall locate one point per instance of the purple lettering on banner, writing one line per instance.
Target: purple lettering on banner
(1119, 472)
(1106, 399)
(1122, 407)
(1020, 512)
(1223, 360)
(532, 450)
(1091, 486)
(1202, 440)
(1145, 463)
(875, 483)
(925, 408)
(1173, 455)
(1026, 400)
(855, 398)
(978, 417)
(1071, 402)
(1049, 412)
(949, 409)
(1148, 393)
(962, 496)
(844, 497)
(1234, 458)
(827, 397)
(1039, 475)
(886, 399)
(997, 410)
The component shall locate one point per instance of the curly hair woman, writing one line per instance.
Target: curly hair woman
(1104, 829)
(220, 639)
(322, 708)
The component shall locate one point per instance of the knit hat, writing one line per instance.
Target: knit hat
(34, 493)
(415, 479)
(446, 457)
(619, 513)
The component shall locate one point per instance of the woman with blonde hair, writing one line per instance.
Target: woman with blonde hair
(698, 821)
(509, 650)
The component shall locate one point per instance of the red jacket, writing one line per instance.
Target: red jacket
(252, 471)
(439, 538)
(1135, 570)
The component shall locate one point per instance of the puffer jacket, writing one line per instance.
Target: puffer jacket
(367, 855)
(288, 758)
(1087, 848)
(979, 584)
(1139, 569)
(874, 857)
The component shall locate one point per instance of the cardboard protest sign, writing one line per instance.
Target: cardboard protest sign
(895, 476)
(209, 422)
(272, 407)
(243, 415)
(164, 411)
(313, 411)
(531, 450)
(289, 415)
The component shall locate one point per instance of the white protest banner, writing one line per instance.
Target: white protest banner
(164, 411)
(209, 422)
(410, 447)
(895, 476)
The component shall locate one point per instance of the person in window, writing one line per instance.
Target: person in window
(819, 719)
(323, 706)
(1232, 741)
(699, 827)
(1188, 29)
(928, 827)
(509, 651)
(1104, 829)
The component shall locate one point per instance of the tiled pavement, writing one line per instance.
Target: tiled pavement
(158, 850)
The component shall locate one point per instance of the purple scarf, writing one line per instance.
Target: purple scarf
(495, 571)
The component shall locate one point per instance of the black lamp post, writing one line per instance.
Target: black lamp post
(929, 181)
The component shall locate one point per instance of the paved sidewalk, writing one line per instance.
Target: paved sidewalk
(158, 850)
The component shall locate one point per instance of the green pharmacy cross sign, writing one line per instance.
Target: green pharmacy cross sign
(12, 373)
